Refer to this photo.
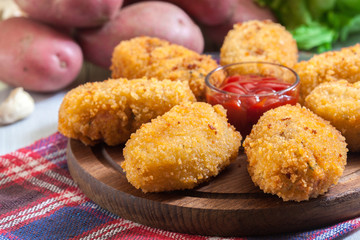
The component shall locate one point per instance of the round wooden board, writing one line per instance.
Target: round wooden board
(228, 205)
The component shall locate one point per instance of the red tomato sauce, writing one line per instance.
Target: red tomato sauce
(253, 96)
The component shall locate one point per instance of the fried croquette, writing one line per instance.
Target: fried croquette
(111, 110)
(328, 67)
(153, 57)
(257, 40)
(294, 153)
(181, 149)
(339, 103)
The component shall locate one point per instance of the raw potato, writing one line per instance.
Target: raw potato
(155, 19)
(241, 11)
(18, 105)
(37, 57)
(208, 12)
(71, 13)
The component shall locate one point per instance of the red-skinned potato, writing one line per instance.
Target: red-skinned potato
(150, 18)
(243, 10)
(36, 57)
(72, 13)
(208, 12)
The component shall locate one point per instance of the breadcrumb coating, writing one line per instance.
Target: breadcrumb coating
(181, 149)
(339, 103)
(257, 40)
(294, 153)
(111, 110)
(153, 57)
(327, 67)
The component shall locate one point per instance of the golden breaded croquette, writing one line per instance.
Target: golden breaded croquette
(339, 103)
(111, 110)
(257, 40)
(153, 57)
(327, 67)
(294, 153)
(181, 149)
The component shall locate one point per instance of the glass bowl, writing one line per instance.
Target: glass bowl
(248, 89)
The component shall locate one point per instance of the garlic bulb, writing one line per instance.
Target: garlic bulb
(18, 105)
(8, 9)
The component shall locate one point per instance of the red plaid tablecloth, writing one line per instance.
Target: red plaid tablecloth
(39, 200)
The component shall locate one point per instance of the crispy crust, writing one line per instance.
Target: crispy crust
(339, 103)
(328, 67)
(181, 149)
(111, 110)
(295, 154)
(259, 41)
(153, 57)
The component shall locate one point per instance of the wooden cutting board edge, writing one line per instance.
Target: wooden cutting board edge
(307, 215)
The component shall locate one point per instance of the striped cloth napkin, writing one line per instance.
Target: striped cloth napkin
(39, 200)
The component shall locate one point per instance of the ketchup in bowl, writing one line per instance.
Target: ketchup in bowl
(247, 96)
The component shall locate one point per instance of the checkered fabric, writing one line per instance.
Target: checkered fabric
(39, 200)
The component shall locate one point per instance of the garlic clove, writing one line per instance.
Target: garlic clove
(8, 9)
(18, 105)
